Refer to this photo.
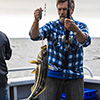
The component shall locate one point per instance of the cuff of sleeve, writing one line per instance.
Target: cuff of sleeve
(81, 44)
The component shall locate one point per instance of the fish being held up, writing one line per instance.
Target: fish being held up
(41, 73)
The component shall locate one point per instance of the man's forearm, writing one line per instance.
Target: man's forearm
(35, 25)
(81, 37)
(35, 29)
(70, 25)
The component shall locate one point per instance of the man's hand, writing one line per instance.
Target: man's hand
(36, 14)
(70, 25)
(35, 25)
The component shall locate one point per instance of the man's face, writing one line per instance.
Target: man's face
(62, 11)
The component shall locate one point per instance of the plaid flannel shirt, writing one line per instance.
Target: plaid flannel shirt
(54, 31)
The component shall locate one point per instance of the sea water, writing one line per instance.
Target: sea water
(24, 50)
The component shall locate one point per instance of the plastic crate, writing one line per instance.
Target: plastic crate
(89, 94)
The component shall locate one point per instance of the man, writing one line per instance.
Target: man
(5, 54)
(61, 78)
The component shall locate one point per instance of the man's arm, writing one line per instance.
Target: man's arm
(35, 26)
(80, 36)
(8, 51)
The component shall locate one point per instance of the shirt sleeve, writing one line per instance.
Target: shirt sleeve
(8, 50)
(84, 29)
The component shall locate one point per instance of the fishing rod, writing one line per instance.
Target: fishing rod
(67, 38)
(68, 16)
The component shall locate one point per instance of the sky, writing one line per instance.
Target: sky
(16, 16)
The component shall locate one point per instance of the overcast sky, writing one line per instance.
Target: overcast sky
(16, 16)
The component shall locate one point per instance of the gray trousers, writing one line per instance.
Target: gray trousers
(74, 89)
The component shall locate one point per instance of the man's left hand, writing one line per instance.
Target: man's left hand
(70, 25)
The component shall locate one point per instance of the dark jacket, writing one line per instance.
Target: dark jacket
(5, 54)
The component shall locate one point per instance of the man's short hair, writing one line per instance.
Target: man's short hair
(61, 1)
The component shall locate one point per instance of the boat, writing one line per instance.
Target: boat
(20, 88)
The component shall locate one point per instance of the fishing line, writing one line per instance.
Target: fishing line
(44, 20)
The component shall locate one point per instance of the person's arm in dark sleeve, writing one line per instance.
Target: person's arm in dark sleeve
(8, 51)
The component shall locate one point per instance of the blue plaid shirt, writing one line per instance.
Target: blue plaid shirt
(54, 31)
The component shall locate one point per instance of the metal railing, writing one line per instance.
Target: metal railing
(89, 70)
(32, 68)
(21, 69)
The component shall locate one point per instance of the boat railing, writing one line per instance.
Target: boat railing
(31, 68)
(89, 70)
(20, 69)
(19, 87)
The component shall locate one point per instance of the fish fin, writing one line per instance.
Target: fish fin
(33, 71)
(40, 92)
(43, 47)
(49, 66)
(34, 62)
(32, 88)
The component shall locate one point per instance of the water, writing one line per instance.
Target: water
(24, 50)
(92, 56)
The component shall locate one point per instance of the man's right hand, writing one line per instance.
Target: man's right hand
(36, 14)
(35, 26)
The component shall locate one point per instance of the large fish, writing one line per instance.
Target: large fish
(41, 73)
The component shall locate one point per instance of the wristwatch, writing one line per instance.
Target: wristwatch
(75, 33)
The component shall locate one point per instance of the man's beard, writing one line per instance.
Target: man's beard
(62, 19)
